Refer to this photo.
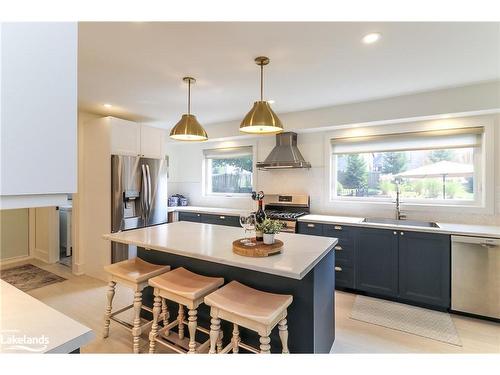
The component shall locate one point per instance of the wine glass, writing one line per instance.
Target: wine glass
(243, 223)
(250, 225)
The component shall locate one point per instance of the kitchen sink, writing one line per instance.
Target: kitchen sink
(412, 223)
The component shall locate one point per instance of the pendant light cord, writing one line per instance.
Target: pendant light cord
(189, 97)
(261, 82)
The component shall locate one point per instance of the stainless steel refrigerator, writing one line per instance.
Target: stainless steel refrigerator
(138, 197)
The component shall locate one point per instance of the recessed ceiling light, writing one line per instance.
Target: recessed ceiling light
(371, 38)
(271, 101)
(107, 105)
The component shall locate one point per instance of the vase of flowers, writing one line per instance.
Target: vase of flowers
(269, 229)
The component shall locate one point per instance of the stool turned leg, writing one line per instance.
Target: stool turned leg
(107, 316)
(165, 315)
(136, 330)
(283, 332)
(236, 339)
(180, 320)
(192, 330)
(214, 334)
(265, 348)
(219, 341)
(154, 328)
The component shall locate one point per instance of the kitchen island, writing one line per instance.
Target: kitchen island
(304, 269)
(30, 326)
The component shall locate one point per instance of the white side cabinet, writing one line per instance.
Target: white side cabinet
(125, 137)
(131, 138)
(38, 86)
(152, 142)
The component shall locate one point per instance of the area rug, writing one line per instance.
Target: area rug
(28, 277)
(418, 321)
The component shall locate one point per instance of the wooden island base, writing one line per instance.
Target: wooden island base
(311, 320)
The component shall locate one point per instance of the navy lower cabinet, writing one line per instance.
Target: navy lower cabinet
(315, 229)
(376, 262)
(232, 221)
(424, 268)
(190, 216)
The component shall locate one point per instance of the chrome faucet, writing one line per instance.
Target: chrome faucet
(399, 215)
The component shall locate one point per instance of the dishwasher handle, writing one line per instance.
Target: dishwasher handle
(482, 241)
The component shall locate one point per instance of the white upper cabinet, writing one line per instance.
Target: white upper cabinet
(130, 138)
(38, 95)
(152, 142)
(125, 137)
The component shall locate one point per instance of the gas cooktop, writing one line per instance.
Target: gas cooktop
(272, 214)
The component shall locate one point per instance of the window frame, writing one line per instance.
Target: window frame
(484, 161)
(206, 189)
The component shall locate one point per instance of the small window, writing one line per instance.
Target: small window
(229, 171)
(435, 166)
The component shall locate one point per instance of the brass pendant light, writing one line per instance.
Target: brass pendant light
(261, 119)
(188, 128)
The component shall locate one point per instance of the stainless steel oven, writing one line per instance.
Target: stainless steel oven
(287, 209)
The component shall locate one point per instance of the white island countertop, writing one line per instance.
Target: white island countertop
(30, 326)
(213, 243)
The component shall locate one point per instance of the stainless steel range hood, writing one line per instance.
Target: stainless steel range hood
(285, 154)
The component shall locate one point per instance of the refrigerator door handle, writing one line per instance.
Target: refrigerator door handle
(144, 192)
(149, 189)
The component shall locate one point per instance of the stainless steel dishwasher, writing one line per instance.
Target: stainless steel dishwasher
(475, 275)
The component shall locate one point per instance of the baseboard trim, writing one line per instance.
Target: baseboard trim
(77, 269)
(13, 261)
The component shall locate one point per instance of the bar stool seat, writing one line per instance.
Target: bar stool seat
(188, 290)
(136, 270)
(250, 308)
(249, 303)
(186, 284)
(134, 274)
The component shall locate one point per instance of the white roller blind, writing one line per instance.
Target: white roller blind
(227, 153)
(426, 140)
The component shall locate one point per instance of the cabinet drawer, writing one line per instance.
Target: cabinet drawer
(233, 221)
(315, 229)
(337, 230)
(344, 250)
(344, 276)
(190, 216)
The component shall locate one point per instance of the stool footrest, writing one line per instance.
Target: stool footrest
(128, 325)
(168, 342)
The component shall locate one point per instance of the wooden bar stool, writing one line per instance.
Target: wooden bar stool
(187, 289)
(133, 273)
(250, 308)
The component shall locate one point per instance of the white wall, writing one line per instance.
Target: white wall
(186, 174)
(14, 234)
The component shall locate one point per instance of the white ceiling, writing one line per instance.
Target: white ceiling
(138, 66)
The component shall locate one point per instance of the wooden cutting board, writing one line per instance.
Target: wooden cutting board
(259, 250)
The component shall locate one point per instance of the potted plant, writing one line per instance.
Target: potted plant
(269, 229)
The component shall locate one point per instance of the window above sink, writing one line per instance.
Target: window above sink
(434, 167)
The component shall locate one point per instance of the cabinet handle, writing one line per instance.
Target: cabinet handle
(394, 232)
(311, 225)
(338, 269)
(402, 233)
(222, 217)
(338, 247)
(198, 215)
(337, 227)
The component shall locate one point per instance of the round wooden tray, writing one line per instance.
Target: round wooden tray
(259, 250)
